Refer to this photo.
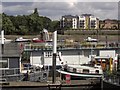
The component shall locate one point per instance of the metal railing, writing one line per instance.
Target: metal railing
(112, 79)
(8, 72)
(42, 47)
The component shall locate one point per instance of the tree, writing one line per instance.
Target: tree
(55, 25)
(26, 24)
(7, 24)
(36, 12)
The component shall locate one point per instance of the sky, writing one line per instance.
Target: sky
(55, 9)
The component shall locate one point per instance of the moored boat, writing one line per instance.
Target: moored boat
(81, 71)
(37, 40)
(21, 39)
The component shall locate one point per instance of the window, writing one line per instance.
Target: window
(97, 71)
(74, 70)
(48, 54)
(85, 70)
(4, 64)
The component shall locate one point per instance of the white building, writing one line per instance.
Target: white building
(82, 22)
(94, 22)
(69, 21)
(74, 23)
(45, 58)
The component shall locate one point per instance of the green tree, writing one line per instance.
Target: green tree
(27, 24)
(55, 25)
(36, 12)
(7, 24)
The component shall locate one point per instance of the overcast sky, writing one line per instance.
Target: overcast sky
(55, 9)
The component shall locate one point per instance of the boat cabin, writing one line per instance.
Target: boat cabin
(105, 62)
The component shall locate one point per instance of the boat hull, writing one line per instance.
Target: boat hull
(79, 75)
(37, 41)
(22, 40)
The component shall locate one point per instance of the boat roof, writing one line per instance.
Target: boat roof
(81, 67)
(102, 57)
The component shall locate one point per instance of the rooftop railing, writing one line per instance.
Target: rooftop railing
(67, 46)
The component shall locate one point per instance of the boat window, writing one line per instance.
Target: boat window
(74, 69)
(58, 67)
(98, 64)
(85, 70)
(97, 71)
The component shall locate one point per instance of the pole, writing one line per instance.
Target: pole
(91, 53)
(2, 41)
(101, 80)
(106, 42)
(79, 57)
(54, 57)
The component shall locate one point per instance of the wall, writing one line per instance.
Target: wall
(110, 53)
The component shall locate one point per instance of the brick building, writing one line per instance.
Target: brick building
(109, 24)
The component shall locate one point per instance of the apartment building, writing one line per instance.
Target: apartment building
(94, 22)
(69, 21)
(85, 21)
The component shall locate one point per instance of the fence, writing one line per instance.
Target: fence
(11, 71)
(112, 79)
(12, 74)
(15, 75)
(39, 76)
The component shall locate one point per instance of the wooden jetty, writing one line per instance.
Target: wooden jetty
(86, 84)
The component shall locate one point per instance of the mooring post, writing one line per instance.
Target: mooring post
(2, 41)
(54, 57)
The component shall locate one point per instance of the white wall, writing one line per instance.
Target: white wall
(110, 53)
(48, 61)
(75, 59)
(71, 59)
(35, 60)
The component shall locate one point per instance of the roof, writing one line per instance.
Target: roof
(11, 50)
(86, 15)
(69, 16)
(101, 57)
